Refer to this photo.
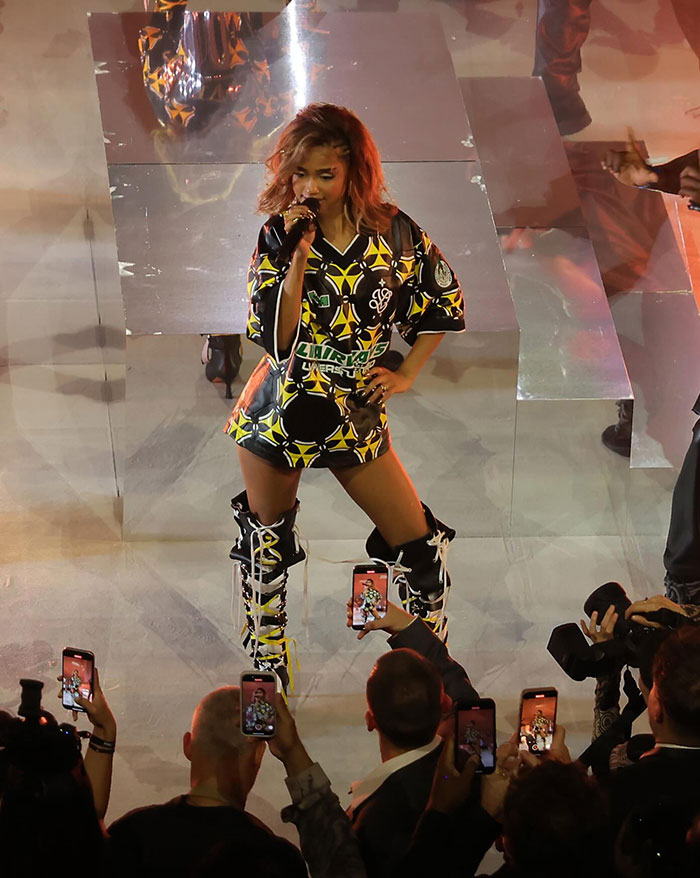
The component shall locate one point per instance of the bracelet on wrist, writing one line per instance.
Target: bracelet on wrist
(100, 745)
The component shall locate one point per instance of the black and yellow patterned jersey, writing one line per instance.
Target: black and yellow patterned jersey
(305, 406)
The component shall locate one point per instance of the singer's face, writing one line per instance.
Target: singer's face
(322, 175)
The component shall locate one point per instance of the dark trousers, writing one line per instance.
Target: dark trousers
(682, 555)
(562, 28)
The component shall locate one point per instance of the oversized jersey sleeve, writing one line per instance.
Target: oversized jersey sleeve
(265, 282)
(431, 298)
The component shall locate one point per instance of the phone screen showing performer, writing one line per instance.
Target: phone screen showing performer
(258, 713)
(370, 586)
(78, 671)
(538, 716)
(475, 734)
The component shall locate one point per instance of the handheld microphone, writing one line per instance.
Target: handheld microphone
(289, 245)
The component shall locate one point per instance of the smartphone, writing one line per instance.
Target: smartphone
(475, 733)
(258, 713)
(538, 717)
(78, 670)
(370, 587)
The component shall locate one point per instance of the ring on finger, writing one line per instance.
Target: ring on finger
(384, 388)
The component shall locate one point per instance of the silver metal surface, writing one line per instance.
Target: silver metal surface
(660, 338)
(632, 235)
(449, 200)
(568, 344)
(185, 234)
(564, 480)
(181, 470)
(388, 68)
(520, 148)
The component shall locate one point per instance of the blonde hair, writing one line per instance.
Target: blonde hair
(367, 206)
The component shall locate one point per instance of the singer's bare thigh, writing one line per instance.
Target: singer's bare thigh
(271, 490)
(383, 490)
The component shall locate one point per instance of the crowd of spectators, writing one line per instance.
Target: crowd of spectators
(636, 814)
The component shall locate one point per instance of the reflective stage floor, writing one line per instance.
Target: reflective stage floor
(535, 537)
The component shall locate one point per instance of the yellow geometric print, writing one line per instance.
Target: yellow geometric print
(345, 437)
(345, 321)
(316, 382)
(271, 428)
(303, 453)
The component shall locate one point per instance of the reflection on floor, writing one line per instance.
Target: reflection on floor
(158, 614)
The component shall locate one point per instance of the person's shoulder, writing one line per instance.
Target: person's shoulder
(404, 231)
(412, 781)
(402, 220)
(283, 847)
(145, 815)
(664, 764)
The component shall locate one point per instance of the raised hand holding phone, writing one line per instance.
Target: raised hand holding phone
(286, 744)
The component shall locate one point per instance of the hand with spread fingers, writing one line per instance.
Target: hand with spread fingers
(635, 612)
(394, 620)
(629, 166)
(385, 384)
(607, 625)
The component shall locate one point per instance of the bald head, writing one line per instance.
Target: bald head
(216, 725)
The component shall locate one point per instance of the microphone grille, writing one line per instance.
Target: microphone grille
(313, 204)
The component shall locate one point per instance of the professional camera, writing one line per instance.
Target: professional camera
(633, 644)
(33, 742)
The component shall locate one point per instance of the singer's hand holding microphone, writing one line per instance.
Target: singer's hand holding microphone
(300, 226)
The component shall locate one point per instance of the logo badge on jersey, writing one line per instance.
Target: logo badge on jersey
(443, 275)
(380, 299)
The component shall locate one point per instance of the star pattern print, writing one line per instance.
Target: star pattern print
(194, 67)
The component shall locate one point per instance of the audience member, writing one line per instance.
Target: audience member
(327, 841)
(552, 816)
(47, 811)
(541, 811)
(103, 738)
(672, 767)
(658, 841)
(189, 834)
(682, 554)
(408, 693)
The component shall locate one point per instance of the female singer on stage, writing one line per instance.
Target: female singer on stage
(318, 396)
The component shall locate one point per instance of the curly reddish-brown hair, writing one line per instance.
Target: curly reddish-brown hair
(366, 202)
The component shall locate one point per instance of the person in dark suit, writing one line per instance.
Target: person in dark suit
(672, 767)
(682, 555)
(409, 692)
